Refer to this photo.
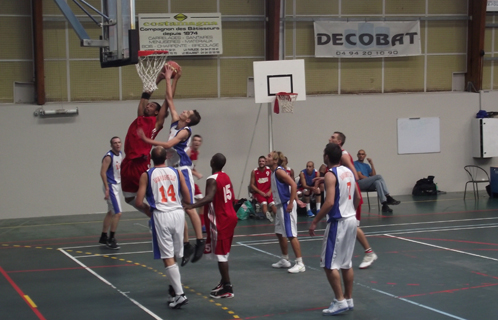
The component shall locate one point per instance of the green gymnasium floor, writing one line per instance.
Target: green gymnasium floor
(438, 259)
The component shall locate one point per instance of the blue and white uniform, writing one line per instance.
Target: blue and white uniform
(113, 175)
(185, 164)
(340, 235)
(285, 222)
(168, 218)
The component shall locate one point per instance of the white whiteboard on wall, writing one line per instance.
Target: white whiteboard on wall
(418, 135)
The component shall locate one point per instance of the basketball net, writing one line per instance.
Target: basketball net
(149, 65)
(284, 100)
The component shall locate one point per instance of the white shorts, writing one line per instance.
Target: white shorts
(114, 201)
(167, 234)
(286, 222)
(338, 244)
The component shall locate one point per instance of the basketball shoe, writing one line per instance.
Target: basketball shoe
(224, 293)
(336, 307)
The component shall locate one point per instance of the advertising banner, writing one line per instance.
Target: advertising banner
(182, 34)
(374, 39)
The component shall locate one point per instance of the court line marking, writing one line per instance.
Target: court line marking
(412, 302)
(111, 285)
(26, 298)
(426, 222)
(440, 247)
(442, 229)
(269, 253)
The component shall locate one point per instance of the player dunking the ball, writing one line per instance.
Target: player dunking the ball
(150, 119)
(179, 139)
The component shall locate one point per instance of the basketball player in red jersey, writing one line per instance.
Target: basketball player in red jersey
(222, 219)
(347, 161)
(261, 187)
(150, 118)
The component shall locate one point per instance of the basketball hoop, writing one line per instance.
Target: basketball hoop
(148, 67)
(285, 100)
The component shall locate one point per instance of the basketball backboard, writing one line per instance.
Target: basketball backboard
(272, 77)
(120, 32)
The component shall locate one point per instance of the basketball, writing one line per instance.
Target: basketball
(176, 67)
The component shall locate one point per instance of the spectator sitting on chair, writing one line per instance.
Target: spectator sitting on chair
(371, 181)
(261, 187)
(307, 186)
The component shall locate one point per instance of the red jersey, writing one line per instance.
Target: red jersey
(134, 146)
(263, 179)
(194, 154)
(220, 211)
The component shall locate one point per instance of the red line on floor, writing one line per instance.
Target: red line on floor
(451, 290)
(19, 291)
(75, 268)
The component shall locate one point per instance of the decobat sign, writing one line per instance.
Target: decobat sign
(375, 39)
(492, 6)
(182, 34)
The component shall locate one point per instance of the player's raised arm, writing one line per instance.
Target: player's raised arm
(170, 91)
(181, 136)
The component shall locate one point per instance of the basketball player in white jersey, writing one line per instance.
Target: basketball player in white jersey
(339, 238)
(110, 172)
(165, 188)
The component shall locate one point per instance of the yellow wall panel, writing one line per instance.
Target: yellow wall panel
(16, 38)
(54, 40)
(486, 75)
(133, 87)
(199, 79)
(361, 75)
(234, 74)
(21, 71)
(404, 74)
(50, 8)
(495, 73)
(361, 7)
(321, 76)
(89, 82)
(447, 37)
(56, 81)
(243, 39)
(188, 6)
(488, 40)
(76, 51)
(242, 7)
(77, 11)
(22, 7)
(305, 39)
(405, 7)
(304, 7)
(448, 7)
(440, 71)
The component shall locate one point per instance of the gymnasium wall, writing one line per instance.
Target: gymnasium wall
(51, 166)
(73, 73)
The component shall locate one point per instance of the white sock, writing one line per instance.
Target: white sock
(285, 256)
(173, 274)
(308, 207)
(318, 206)
(299, 260)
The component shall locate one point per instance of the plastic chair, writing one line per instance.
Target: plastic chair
(368, 198)
(477, 175)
